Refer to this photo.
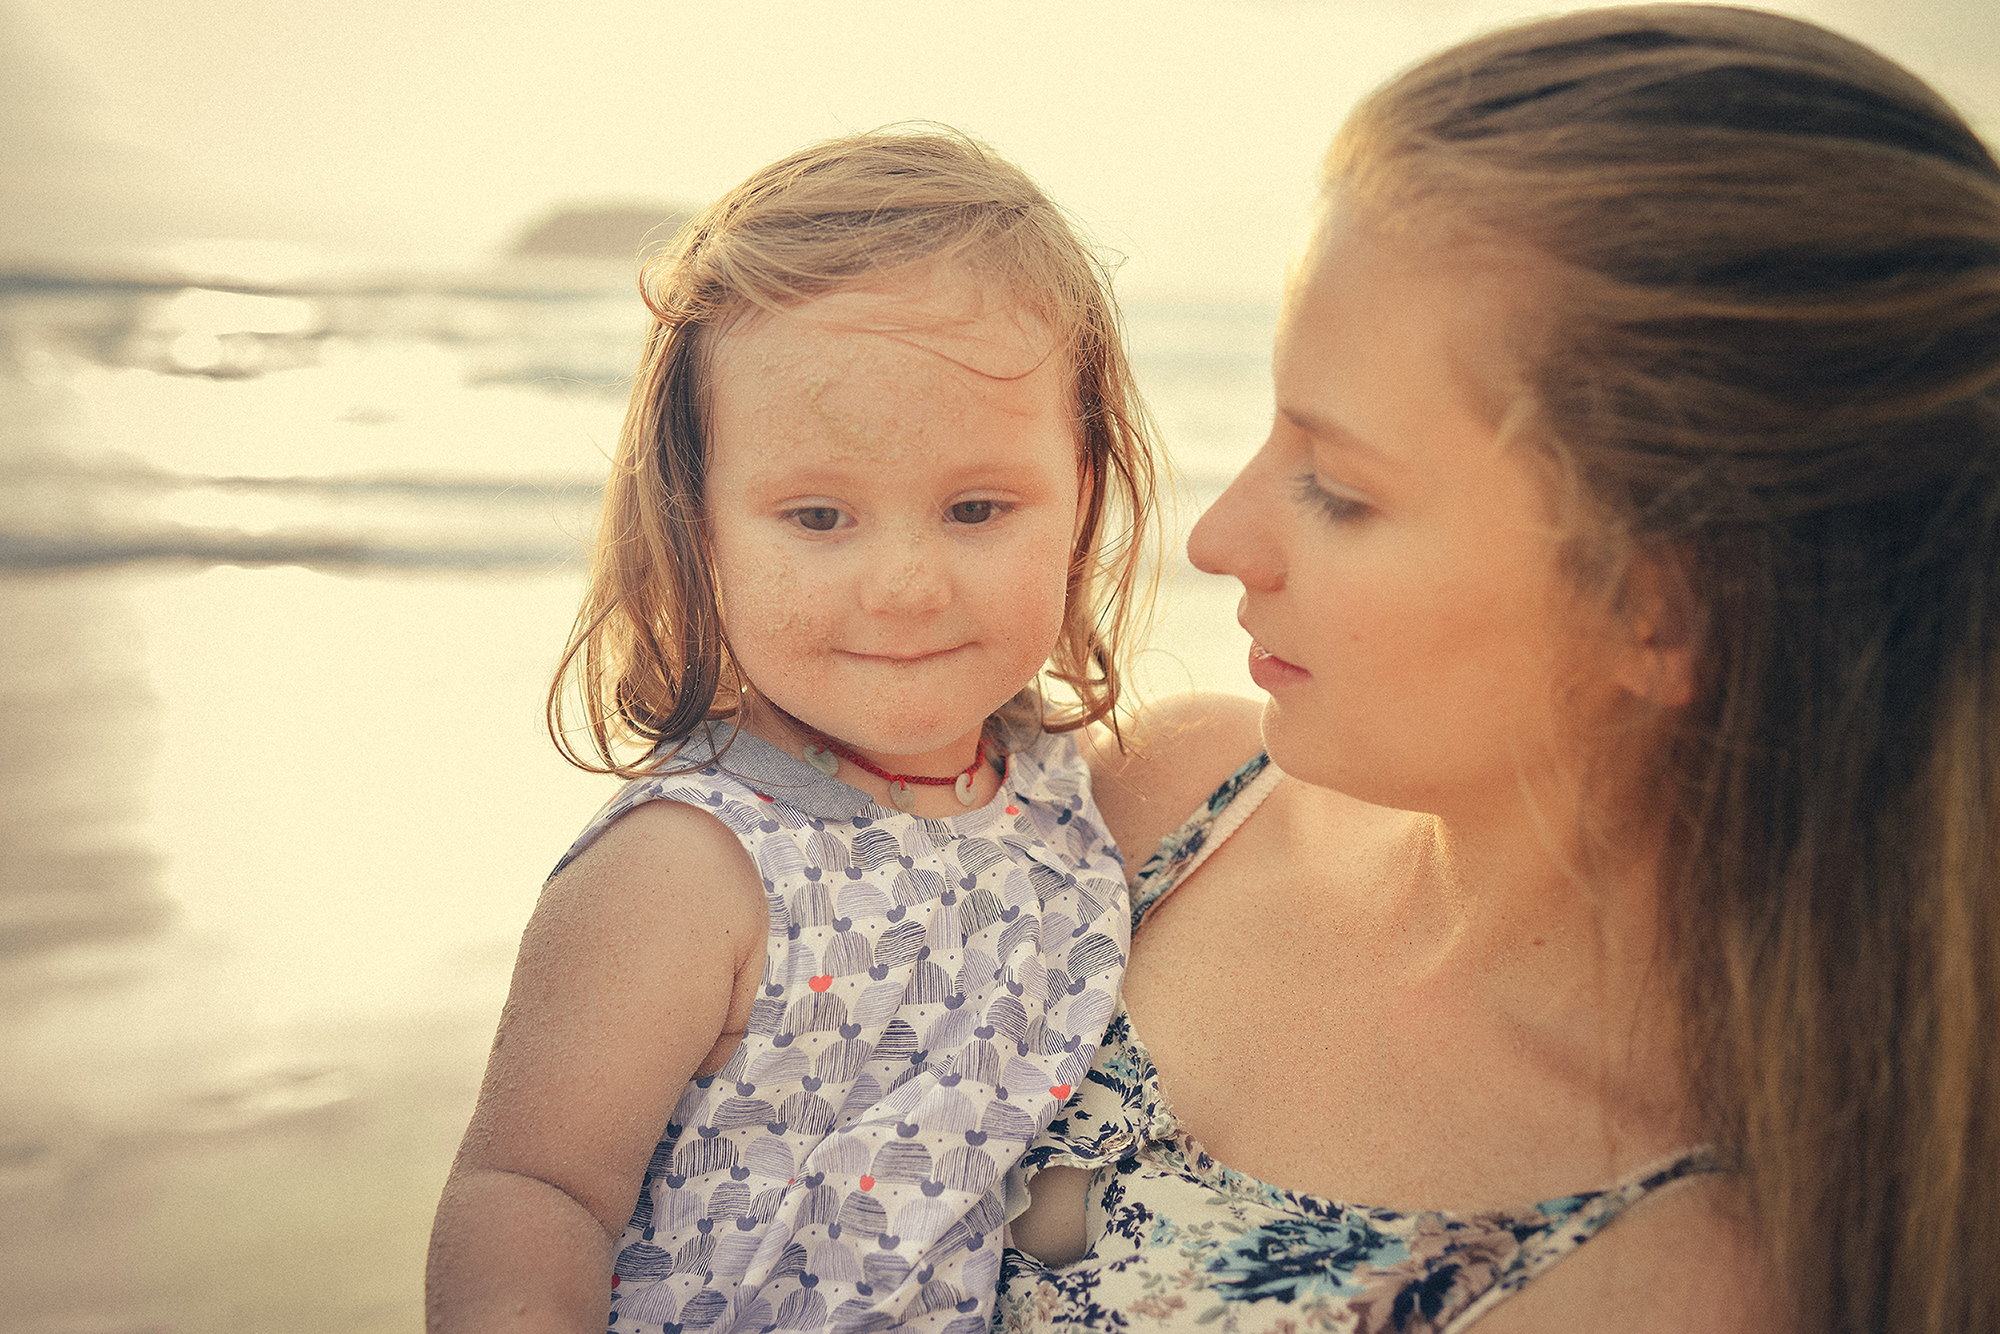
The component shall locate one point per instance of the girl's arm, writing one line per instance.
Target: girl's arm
(636, 972)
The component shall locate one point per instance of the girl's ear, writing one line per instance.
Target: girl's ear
(1662, 621)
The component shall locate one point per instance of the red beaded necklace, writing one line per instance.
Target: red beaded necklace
(823, 747)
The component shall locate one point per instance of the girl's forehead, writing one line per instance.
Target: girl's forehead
(946, 313)
(891, 374)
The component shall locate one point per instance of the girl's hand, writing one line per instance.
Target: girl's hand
(1052, 1227)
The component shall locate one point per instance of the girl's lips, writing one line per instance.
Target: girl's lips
(904, 659)
(1270, 671)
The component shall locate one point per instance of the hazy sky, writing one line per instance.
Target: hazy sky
(1184, 133)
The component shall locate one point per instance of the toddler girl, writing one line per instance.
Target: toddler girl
(797, 1000)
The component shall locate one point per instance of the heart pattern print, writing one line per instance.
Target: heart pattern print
(933, 990)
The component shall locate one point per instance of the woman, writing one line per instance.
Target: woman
(1621, 570)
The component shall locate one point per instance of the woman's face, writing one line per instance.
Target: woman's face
(1402, 583)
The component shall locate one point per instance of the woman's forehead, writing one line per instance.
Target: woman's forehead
(1372, 304)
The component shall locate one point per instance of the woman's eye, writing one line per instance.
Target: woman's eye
(1332, 504)
(972, 511)
(817, 518)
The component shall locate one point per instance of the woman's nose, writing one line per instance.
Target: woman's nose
(1237, 534)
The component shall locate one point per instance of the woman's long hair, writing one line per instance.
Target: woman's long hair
(648, 660)
(1771, 345)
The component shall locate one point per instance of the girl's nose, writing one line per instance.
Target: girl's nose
(906, 577)
(1237, 535)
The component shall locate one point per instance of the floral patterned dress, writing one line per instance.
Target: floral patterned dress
(1181, 1240)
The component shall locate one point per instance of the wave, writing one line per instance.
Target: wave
(39, 552)
(131, 475)
(384, 521)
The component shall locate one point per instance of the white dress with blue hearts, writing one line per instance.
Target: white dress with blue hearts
(933, 990)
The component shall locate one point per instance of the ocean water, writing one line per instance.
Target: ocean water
(283, 575)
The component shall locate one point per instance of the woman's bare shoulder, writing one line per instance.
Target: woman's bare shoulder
(1682, 1259)
(1166, 761)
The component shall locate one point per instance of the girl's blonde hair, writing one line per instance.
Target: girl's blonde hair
(1769, 345)
(648, 658)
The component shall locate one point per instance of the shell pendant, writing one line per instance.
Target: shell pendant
(902, 793)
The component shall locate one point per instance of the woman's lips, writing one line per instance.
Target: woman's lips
(1270, 671)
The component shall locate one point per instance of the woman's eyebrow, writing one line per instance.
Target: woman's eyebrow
(1333, 433)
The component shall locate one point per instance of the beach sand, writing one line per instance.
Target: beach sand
(270, 838)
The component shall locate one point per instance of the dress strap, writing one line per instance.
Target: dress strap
(1184, 850)
(1575, 1219)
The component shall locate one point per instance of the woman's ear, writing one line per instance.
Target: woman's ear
(1663, 630)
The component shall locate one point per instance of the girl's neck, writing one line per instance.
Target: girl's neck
(979, 760)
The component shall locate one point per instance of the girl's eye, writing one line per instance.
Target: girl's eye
(1336, 507)
(816, 518)
(972, 511)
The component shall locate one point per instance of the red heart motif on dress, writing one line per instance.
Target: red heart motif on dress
(820, 983)
(1013, 809)
(867, 1183)
(1060, 1090)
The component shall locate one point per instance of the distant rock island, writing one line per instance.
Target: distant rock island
(603, 231)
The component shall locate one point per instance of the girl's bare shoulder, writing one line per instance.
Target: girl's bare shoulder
(640, 956)
(654, 855)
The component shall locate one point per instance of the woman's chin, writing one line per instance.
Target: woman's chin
(1301, 747)
(1295, 745)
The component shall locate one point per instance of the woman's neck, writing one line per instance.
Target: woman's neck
(1560, 935)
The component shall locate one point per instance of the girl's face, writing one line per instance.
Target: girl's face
(892, 497)
(1412, 620)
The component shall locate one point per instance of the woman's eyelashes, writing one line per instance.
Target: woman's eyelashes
(1333, 505)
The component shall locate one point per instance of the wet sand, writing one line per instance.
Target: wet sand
(270, 837)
